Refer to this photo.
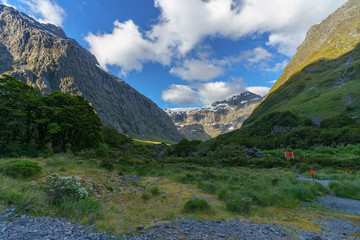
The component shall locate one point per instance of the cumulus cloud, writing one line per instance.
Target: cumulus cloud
(183, 24)
(259, 54)
(215, 91)
(180, 95)
(46, 11)
(203, 93)
(260, 90)
(197, 70)
(126, 44)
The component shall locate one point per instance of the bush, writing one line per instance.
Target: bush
(79, 210)
(155, 190)
(240, 205)
(107, 163)
(145, 196)
(196, 204)
(20, 168)
(26, 199)
(59, 188)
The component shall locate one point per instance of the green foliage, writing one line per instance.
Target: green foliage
(196, 204)
(346, 189)
(81, 210)
(238, 204)
(20, 168)
(145, 196)
(113, 138)
(155, 191)
(181, 149)
(338, 121)
(26, 200)
(59, 188)
(29, 121)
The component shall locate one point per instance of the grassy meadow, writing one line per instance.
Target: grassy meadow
(118, 203)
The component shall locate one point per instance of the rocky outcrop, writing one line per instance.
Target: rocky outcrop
(44, 57)
(217, 118)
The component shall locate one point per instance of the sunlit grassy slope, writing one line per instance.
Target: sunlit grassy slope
(322, 79)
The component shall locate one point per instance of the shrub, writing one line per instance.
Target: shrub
(145, 196)
(20, 168)
(103, 150)
(196, 204)
(79, 210)
(107, 163)
(241, 205)
(155, 190)
(23, 198)
(59, 187)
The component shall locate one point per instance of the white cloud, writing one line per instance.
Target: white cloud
(215, 91)
(125, 47)
(273, 81)
(180, 95)
(197, 70)
(183, 24)
(204, 93)
(259, 54)
(46, 11)
(260, 90)
(5, 2)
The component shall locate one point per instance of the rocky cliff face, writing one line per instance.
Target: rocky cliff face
(43, 56)
(217, 118)
(322, 79)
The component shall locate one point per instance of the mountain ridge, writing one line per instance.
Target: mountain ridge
(320, 77)
(44, 57)
(214, 119)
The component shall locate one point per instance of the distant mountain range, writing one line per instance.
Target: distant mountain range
(217, 118)
(44, 57)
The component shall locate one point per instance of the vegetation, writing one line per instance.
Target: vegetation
(29, 121)
(196, 204)
(17, 168)
(64, 188)
(85, 172)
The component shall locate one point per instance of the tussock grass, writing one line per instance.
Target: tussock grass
(14, 193)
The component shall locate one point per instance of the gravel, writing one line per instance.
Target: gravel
(29, 228)
(338, 204)
(205, 229)
(334, 229)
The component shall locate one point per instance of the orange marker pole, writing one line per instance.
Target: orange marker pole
(312, 174)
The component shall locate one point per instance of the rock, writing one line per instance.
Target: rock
(254, 153)
(217, 118)
(51, 61)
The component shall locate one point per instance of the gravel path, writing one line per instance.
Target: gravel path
(325, 183)
(330, 201)
(338, 204)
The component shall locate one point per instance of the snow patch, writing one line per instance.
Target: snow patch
(27, 18)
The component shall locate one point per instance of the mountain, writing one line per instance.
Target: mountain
(217, 118)
(322, 79)
(44, 57)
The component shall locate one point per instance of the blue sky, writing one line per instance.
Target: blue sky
(186, 53)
